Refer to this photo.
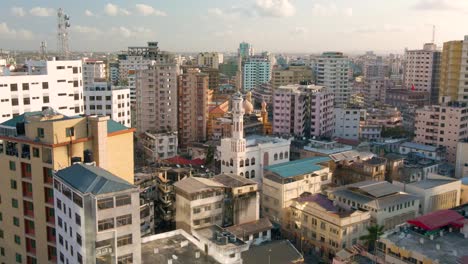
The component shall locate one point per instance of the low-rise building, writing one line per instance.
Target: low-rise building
(159, 146)
(352, 167)
(284, 182)
(369, 132)
(387, 205)
(97, 216)
(387, 117)
(347, 122)
(425, 151)
(324, 227)
(436, 192)
(461, 163)
(323, 148)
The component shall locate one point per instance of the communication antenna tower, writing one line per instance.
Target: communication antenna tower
(63, 24)
(43, 50)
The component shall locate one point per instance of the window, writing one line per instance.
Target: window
(78, 219)
(18, 258)
(252, 161)
(78, 238)
(45, 85)
(126, 259)
(105, 203)
(40, 132)
(70, 132)
(123, 200)
(25, 86)
(124, 240)
(1, 233)
(12, 166)
(45, 99)
(17, 240)
(13, 184)
(106, 224)
(36, 152)
(14, 87)
(196, 210)
(124, 220)
(16, 221)
(26, 101)
(77, 200)
(14, 203)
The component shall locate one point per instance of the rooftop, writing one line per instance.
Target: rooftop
(197, 184)
(327, 147)
(250, 228)
(298, 167)
(212, 232)
(254, 140)
(429, 183)
(274, 252)
(92, 179)
(414, 145)
(233, 180)
(352, 155)
(172, 245)
(437, 219)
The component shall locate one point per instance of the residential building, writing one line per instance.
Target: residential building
(194, 98)
(375, 90)
(210, 59)
(325, 227)
(387, 205)
(159, 146)
(400, 98)
(285, 182)
(216, 112)
(303, 110)
(425, 151)
(352, 167)
(453, 72)
(247, 156)
(229, 68)
(461, 163)
(332, 71)
(97, 216)
(245, 50)
(435, 192)
(438, 237)
(42, 84)
(275, 252)
(263, 93)
(464, 191)
(293, 74)
(256, 70)
(102, 98)
(442, 126)
(213, 77)
(347, 122)
(387, 117)
(369, 132)
(32, 146)
(375, 68)
(321, 148)
(422, 69)
(114, 72)
(93, 71)
(253, 233)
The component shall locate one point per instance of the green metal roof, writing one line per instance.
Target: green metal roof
(113, 126)
(20, 118)
(298, 167)
(92, 179)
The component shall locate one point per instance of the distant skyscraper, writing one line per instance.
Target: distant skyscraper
(454, 71)
(245, 50)
(333, 73)
(256, 70)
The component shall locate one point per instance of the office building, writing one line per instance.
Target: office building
(293, 74)
(332, 71)
(42, 84)
(256, 70)
(32, 146)
(97, 216)
(282, 183)
(210, 59)
(102, 98)
(387, 205)
(453, 71)
(442, 126)
(194, 98)
(303, 110)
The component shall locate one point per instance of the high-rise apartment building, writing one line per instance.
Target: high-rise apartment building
(32, 146)
(156, 90)
(256, 70)
(347, 122)
(375, 90)
(210, 59)
(454, 71)
(303, 110)
(443, 126)
(93, 71)
(332, 71)
(194, 98)
(245, 50)
(102, 98)
(43, 84)
(421, 71)
(97, 216)
(294, 74)
(375, 68)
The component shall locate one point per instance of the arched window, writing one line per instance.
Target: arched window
(281, 155)
(242, 174)
(252, 161)
(247, 174)
(275, 157)
(247, 162)
(241, 163)
(252, 174)
(224, 163)
(286, 154)
(231, 163)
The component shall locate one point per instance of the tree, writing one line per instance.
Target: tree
(209, 156)
(373, 234)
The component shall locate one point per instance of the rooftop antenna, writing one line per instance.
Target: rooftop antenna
(44, 50)
(63, 24)
(433, 33)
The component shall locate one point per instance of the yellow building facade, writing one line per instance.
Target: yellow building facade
(450, 70)
(32, 146)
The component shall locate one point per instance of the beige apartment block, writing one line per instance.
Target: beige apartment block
(294, 74)
(450, 70)
(33, 145)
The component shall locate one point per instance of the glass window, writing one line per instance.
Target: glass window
(124, 240)
(106, 224)
(126, 259)
(123, 200)
(40, 132)
(14, 203)
(105, 203)
(12, 166)
(124, 220)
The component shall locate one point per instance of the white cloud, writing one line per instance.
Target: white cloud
(130, 32)
(114, 10)
(385, 28)
(89, 13)
(441, 5)
(330, 9)
(86, 29)
(275, 8)
(146, 10)
(9, 33)
(18, 11)
(42, 11)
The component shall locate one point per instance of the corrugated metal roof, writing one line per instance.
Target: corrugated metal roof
(414, 145)
(91, 179)
(436, 219)
(298, 167)
(197, 184)
(113, 126)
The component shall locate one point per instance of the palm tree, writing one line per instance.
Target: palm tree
(373, 234)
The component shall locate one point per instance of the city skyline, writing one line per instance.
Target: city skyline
(273, 25)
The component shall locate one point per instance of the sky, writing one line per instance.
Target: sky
(308, 26)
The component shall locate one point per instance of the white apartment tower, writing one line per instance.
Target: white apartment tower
(347, 122)
(93, 71)
(97, 216)
(332, 71)
(256, 70)
(55, 84)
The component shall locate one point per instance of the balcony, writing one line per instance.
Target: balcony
(47, 174)
(26, 170)
(28, 209)
(25, 151)
(27, 190)
(51, 238)
(50, 215)
(49, 195)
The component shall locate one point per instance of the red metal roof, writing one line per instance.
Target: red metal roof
(183, 161)
(437, 219)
